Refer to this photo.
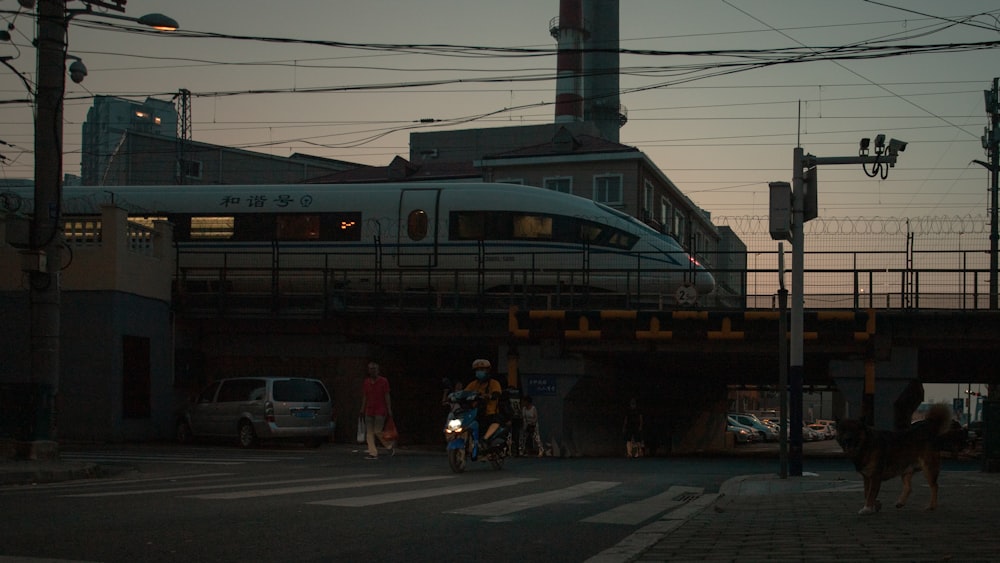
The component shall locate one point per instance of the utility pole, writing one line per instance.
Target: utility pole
(42, 260)
(991, 142)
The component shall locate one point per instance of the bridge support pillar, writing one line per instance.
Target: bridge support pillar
(886, 382)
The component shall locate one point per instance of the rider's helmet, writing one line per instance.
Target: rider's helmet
(481, 364)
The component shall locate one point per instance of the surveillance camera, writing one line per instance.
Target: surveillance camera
(896, 146)
(865, 143)
(77, 71)
(879, 141)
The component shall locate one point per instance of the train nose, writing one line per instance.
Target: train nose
(704, 282)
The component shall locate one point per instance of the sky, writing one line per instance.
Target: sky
(720, 132)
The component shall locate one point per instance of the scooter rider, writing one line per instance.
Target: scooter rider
(489, 389)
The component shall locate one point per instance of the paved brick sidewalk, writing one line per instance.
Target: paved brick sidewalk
(814, 518)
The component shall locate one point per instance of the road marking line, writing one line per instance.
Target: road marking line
(650, 534)
(517, 504)
(314, 488)
(422, 493)
(204, 487)
(175, 459)
(639, 511)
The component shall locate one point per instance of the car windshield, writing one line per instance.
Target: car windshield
(300, 391)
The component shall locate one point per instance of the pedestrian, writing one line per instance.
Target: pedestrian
(529, 417)
(632, 429)
(489, 390)
(376, 407)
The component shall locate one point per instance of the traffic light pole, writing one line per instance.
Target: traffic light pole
(804, 191)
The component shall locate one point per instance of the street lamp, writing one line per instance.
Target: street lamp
(42, 260)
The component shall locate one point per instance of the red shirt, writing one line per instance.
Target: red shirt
(375, 392)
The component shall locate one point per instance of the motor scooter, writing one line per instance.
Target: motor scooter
(463, 434)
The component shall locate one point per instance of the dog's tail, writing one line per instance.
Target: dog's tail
(938, 419)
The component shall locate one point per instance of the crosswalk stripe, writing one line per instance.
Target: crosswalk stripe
(203, 487)
(421, 493)
(509, 506)
(112, 458)
(639, 511)
(309, 489)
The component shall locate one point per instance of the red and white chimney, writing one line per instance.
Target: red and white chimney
(569, 63)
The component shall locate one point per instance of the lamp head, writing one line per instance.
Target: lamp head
(159, 22)
(77, 71)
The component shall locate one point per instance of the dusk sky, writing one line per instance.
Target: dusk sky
(720, 138)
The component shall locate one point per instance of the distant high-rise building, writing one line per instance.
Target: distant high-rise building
(107, 122)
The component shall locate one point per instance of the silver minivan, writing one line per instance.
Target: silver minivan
(260, 408)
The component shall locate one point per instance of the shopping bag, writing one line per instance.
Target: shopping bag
(361, 430)
(389, 432)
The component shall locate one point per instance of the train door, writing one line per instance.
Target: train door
(418, 227)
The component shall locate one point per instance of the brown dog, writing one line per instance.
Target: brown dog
(879, 455)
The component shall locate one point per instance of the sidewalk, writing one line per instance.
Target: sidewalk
(814, 518)
(28, 472)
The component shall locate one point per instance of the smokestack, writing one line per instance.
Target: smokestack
(601, 68)
(569, 30)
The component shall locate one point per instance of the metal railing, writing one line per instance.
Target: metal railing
(319, 284)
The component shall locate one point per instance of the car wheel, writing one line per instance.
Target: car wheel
(184, 435)
(247, 437)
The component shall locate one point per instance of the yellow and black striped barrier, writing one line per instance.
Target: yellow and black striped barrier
(843, 326)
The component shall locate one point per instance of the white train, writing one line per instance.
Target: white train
(445, 237)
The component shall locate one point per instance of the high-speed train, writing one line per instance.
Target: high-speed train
(445, 236)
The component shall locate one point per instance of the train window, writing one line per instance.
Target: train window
(147, 222)
(532, 227)
(298, 227)
(341, 226)
(467, 225)
(416, 224)
(212, 227)
(254, 227)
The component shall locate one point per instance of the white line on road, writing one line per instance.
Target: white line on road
(204, 487)
(311, 489)
(648, 535)
(638, 512)
(509, 506)
(422, 493)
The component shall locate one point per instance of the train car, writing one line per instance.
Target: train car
(443, 237)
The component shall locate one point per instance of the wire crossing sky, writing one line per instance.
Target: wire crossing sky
(718, 92)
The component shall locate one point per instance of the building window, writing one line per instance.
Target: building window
(665, 215)
(608, 189)
(561, 184)
(647, 202)
(679, 227)
(190, 168)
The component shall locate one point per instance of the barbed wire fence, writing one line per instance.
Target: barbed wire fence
(885, 261)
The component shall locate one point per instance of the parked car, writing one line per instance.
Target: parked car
(741, 435)
(824, 430)
(757, 435)
(767, 432)
(810, 434)
(249, 409)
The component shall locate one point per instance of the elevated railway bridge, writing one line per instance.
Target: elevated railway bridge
(582, 365)
(870, 333)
